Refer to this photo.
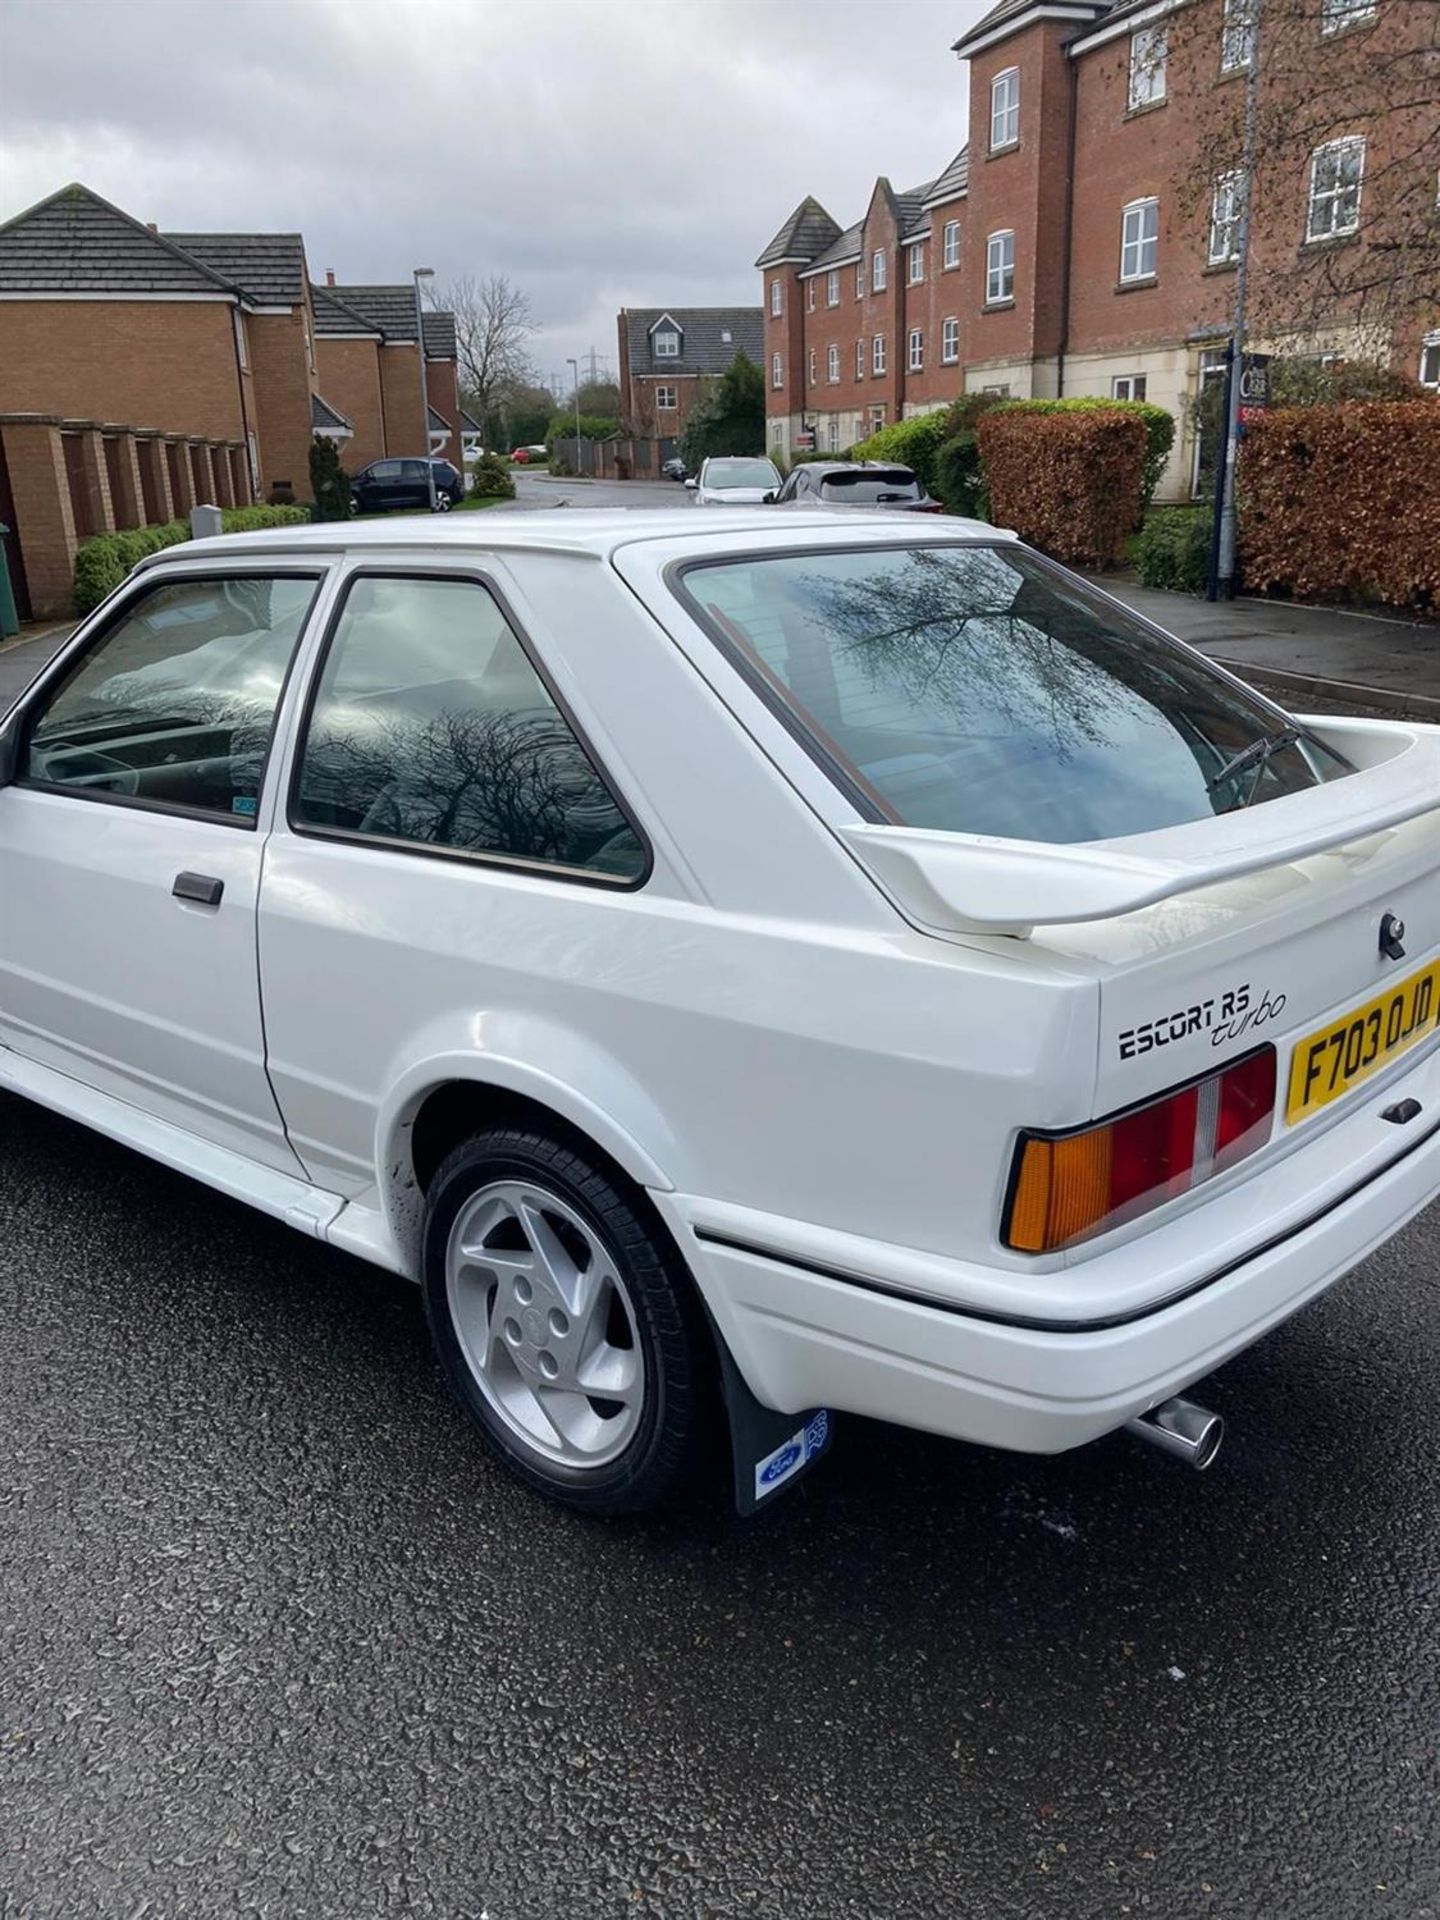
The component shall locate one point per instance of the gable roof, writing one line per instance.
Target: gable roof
(333, 316)
(468, 422)
(909, 207)
(845, 247)
(703, 346)
(954, 181)
(1008, 17)
(807, 232)
(392, 311)
(75, 242)
(327, 419)
(269, 267)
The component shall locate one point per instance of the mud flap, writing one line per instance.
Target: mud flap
(770, 1451)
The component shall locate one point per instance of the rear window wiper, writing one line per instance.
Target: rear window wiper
(1258, 755)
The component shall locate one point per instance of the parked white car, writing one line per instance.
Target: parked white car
(859, 963)
(734, 482)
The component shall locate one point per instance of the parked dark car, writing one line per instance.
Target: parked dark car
(674, 469)
(385, 484)
(856, 483)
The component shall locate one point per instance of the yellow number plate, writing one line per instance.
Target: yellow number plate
(1329, 1062)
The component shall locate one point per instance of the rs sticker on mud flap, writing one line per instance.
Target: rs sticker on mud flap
(791, 1455)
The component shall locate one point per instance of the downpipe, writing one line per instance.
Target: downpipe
(1179, 1427)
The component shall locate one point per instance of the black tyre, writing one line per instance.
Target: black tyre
(565, 1323)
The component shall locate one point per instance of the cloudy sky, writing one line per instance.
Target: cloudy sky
(599, 152)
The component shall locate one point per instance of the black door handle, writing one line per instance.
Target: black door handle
(199, 887)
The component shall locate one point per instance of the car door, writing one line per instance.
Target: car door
(444, 820)
(414, 485)
(131, 843)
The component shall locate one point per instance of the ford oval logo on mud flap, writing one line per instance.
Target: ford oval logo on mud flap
(779, 1464)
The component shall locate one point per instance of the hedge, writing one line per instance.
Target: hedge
(104, 562)
(1339, 502)
(1172, 549)
(910, 443)
(1159, 433)
(1066, 479)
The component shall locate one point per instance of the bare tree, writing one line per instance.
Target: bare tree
(493, 325)
(1344, 236)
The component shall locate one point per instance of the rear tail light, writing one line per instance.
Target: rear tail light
(1071, 1186)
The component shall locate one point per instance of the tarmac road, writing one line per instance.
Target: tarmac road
(276, 1639)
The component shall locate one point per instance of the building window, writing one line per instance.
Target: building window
(950, 341)
(832, 433)
(952, 243)
(877, 354)
(832, 288)
(1005, 109)
(777, 433)
(1336, 15)
(832, 366)
(667, 344)
(810, 296)
(877, 271)
(1128, 386)
(1237, 36)
(859, 359)
(1147, 67)
(777, 370)
(915, 359)
(1139, 240)
(1430, 361)
(860, 278)
(242, 343)
(811, 368)
(667, 399)
(1225, 209)
(917, 262)
(999, 268)
(1335, 173)
(877, 419)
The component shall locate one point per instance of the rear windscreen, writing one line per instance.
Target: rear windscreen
(870, 489)
(980, 689)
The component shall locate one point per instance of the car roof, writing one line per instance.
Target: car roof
(598, 532)
(858, 466)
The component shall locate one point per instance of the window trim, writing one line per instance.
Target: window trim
(1153, 34)
(672, 405)
(1011, 107)
(947, 359)
(1342, 20)
(460, 856)
(667, 333)
(915, 351)
(879, 270)
(1129, 380)
(1429, 343)
(949, 262)
(1143, 272)
(70, 658)
(1343, 141)
(1238, 20)
(832, 365)
(777, 373)
(914, 263)
(1231, 182)
(1000, 233)
(776, 299)
(832, 287)
(879, 356)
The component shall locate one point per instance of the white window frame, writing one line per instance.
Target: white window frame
(667, 344)
(860, 278)
(1005, 110)
(832, 287)
(916, 263)
(777, 299)
(832, 366)
(877, 418)
(242, 339)
(1123, 385)
(949, 341)
(877, 270)
(1148, 50)
(952, 243)
(1237, 36)
(1135, 241)
(1000, 270)
(860, 359)
(664, 405)
(1337, 15)
(810, 296)
(1430, 344)
(1331, 196)
(832, 433)
(915, 352)
(1224, 247)
(777, 372)
(877, 355)
(810, 367)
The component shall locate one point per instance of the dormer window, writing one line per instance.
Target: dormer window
(667, 344)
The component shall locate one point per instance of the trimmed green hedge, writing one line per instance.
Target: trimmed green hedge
(104, 563)
(1159, 432)
(910, 443)
(1172, 549)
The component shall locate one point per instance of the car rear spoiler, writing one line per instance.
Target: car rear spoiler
(969, 883)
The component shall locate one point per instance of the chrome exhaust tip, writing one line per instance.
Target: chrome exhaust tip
(1192, 1433)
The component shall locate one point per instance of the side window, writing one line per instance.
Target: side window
(412, 471)
(385, 470)
(431, 727)
(176, 703)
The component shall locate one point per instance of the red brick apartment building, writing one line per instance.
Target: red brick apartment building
(666, 355)
(143, 372)
(1074, 245)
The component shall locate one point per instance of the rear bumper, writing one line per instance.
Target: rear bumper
(805, 1337)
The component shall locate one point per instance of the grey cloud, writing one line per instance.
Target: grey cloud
(599, 152)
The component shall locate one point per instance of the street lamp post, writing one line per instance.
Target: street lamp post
(575, 366)
(419, 274)
(1223, 539)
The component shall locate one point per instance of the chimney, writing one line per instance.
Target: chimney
(150, 227)
(329, 276)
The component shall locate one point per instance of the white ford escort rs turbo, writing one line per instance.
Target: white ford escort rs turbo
(788, 968)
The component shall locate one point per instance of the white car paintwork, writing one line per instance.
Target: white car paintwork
(819, 1090)
(707, 494)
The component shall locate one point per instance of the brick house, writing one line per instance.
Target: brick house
(141, 373)
(666, 355)
(1055, 254)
